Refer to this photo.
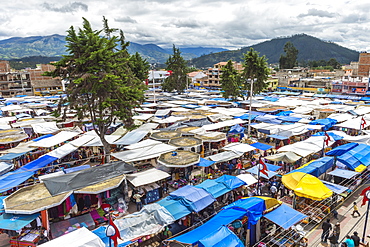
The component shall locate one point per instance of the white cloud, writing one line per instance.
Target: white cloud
(229, 24)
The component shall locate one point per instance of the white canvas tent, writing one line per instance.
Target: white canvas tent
(81, 237)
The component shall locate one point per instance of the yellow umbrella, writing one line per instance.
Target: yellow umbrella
(306, 185)
(270, 202)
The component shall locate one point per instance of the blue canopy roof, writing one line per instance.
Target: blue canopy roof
(268, 120)
(254, 170)
(176, 209)
(221, 237)
(216, 189)
(356, 156)
(336, 188)
(327, 122)
(77, 168)
(42, 137)
(342, 149)
(230, 182)
(331, 135)
(15, 178)
(343, 173)
(205, 163)
(278, 137)
(261, 146)
(246, 116)
(252, 207)
(289, 119)
(317, 167)
(16, 221)
(192, 197)
(11, 156)
(236, 129)
(285, 216)
(256, 113)
(284, 113)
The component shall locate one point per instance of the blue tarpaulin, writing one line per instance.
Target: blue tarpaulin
(42, 137)
(317, 167)
(230, 182)
(332, 136)
(327, 122)
(176, 209)
(254, 170)
(288, 119)
(278, 137)
(221, 237)
(15, 178)
(11, 156)
(193, 198)
(261, 146)
(205, 163)
(236, 129)
(356, 156)
(216, 189)
(246, 116)
(77, 168)
(336, 188)
(343, 173)
(252, 207)
(342, 149)
(2, 209)
(284, 113)
(285, 216)
(16, 222)
(268, 119)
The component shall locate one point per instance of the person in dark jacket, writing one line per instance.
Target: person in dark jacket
(356, 239)
(326, 228)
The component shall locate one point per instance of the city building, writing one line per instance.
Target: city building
(12, 82)
(214, 74)
(45, 85)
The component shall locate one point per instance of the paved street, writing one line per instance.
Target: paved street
(348, 223)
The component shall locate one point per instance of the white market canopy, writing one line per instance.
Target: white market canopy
(239, 147)
(45, 128)
(224, 156)
(146, 177)
(55, 140)
(143, 153)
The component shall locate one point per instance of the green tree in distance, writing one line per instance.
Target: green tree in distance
(289, 60)
(230, 81)
(255, 69)
(139, 66)
(178, 77)
(102, 83)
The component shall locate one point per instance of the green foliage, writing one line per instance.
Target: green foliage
(102, 84)
(289, 60)
(139, 66)
(310, 48)
(31, 62)
(177, 81)
(230, 81)
(255, 69)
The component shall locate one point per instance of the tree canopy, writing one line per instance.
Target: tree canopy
(105, 84)
(230, 81)
(289, 60)
(256, 70)
(177, 66)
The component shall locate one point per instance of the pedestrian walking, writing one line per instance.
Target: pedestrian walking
(333, 240)
(356, 239)
(273, 191)
(137, 198)
(336, 230)
(355, 209)
(326, 228)
(335, 214)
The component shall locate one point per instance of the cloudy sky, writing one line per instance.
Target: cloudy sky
(210, 23)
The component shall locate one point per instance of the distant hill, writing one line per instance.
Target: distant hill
(55, 46)
(310, 48)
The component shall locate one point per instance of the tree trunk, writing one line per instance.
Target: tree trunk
(106, 148)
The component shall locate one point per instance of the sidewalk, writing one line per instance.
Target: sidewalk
(348, 223)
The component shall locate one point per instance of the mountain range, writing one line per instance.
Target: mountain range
(309, 49)
(54, 46)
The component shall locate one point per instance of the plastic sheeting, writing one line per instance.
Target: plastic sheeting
(236, 129)
(359, 155)
(285, 216)
(239, 147)
(77, 238)
(216, 189)
(146, 177)
(132, 137)
(261, 146)
(316, 167)
(148, 152)
(192, 197)
(230, 182)
(254, 170)
(205, 163)
(55, 140)
(343, 173)
(342, 149)
(149, 220)
(248, 179)
(176, 209)
(45, 128)
(327, 122)
(16, 221)
(224, 156)
(336, 188)
(219, 238)
(83, 178)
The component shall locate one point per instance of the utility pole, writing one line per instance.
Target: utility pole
(153, 65)
(250, 109)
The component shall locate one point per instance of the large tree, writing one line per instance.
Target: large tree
(289, 60)
(255, 70)
(103, 84)
(178, 76)
(230, 81)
